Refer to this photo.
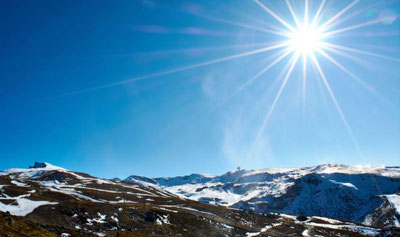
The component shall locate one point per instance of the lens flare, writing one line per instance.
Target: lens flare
(308, 38)
(305, 39)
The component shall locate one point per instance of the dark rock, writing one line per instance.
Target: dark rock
(301, 218)
(38, 165)
(150, 216)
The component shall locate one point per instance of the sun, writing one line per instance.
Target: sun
(305, 39)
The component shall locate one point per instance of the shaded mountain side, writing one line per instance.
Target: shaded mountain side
(336, 191)
(317, 195)
(388, 214)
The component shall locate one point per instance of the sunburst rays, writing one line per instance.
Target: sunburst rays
(311, 21)
(308, 51)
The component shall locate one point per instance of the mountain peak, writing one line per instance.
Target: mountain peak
(44, 165)
(33, 170)
(38, 165)
(138, 178)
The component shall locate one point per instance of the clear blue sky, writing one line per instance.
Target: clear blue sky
(54, 54)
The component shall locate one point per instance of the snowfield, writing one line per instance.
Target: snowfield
(394, 199)
(338, 191)
(23, 206)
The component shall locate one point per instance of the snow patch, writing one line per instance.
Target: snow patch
(350, 185)
(355, 228)
(329, 220)
(306, 233)
(394, 199)
(264, 229)
(163, 220)
(100, 220)
(166, 209)
(114, 218)
(24, 206)
(19, 183)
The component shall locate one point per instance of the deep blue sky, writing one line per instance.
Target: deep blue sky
(194, 120)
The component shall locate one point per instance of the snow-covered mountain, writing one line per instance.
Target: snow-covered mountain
(354, 193)
(47, 200)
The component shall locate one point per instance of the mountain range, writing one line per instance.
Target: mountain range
(360, 194)
(326, 200)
